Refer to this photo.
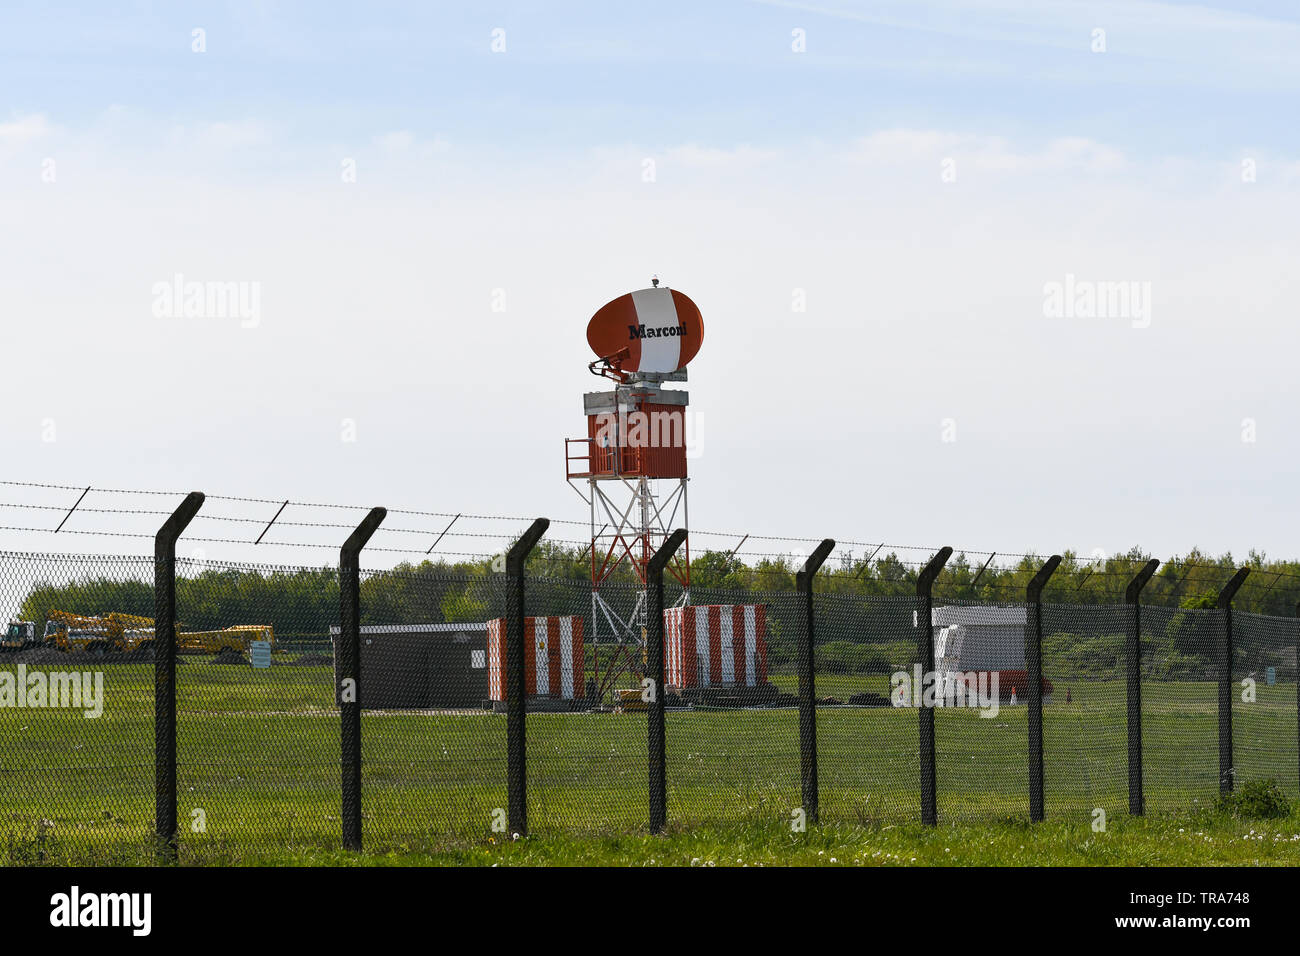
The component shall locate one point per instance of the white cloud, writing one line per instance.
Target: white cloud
(23, 131)
(396, 141)
(403, 142)
(695, 156)
(221, 135)
(900, 146)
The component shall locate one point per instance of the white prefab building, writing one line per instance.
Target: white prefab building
(982, 639)
(979, 638)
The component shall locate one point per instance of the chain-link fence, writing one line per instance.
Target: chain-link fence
(868, 764)
(733, 726)
(1264, 720)
(981, 746)
(433, 745)
(257, 741)
(76, 714)
(1181, 671)
(586, 727)
(259, 690)
(1085, 725)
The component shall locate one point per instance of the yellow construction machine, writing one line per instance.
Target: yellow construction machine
(18, 635)
(131, 632)
(82, 632)
(234, 639)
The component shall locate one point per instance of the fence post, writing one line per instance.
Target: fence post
(1225, 681)
(516, 685)
(1034, 666)
(348, 652)
(1133, 666)
(164, 670)
(1297, 678)
(654, 636)
(925, 651)
(806, 670)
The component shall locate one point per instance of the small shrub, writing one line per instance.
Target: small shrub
(850, 657)
(1257, 800)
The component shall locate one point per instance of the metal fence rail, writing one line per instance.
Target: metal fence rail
(752, 729)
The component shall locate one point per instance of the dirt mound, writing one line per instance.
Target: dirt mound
(312, 660)
(868, 699)
(40, 655)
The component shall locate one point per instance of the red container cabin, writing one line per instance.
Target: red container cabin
(634, 433)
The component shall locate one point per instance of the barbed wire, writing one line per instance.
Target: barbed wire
(119, 491)
(283, 503)
(882, 554)
(408, 511)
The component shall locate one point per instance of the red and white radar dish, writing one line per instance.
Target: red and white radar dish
(660, 328)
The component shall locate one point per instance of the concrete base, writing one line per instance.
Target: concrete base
(534, 705)
(764, 695)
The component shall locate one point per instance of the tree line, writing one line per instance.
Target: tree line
(304, 602)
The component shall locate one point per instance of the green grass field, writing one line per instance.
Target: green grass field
(1199, 838)
(258, 776)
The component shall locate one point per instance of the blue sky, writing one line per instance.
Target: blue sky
(780, 177)
(1175, 79)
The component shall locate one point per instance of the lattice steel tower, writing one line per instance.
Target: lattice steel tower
(632, 462)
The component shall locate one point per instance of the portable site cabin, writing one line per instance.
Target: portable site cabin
(979, 638)
(553, 665)
(985, 640)
(420, 666)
